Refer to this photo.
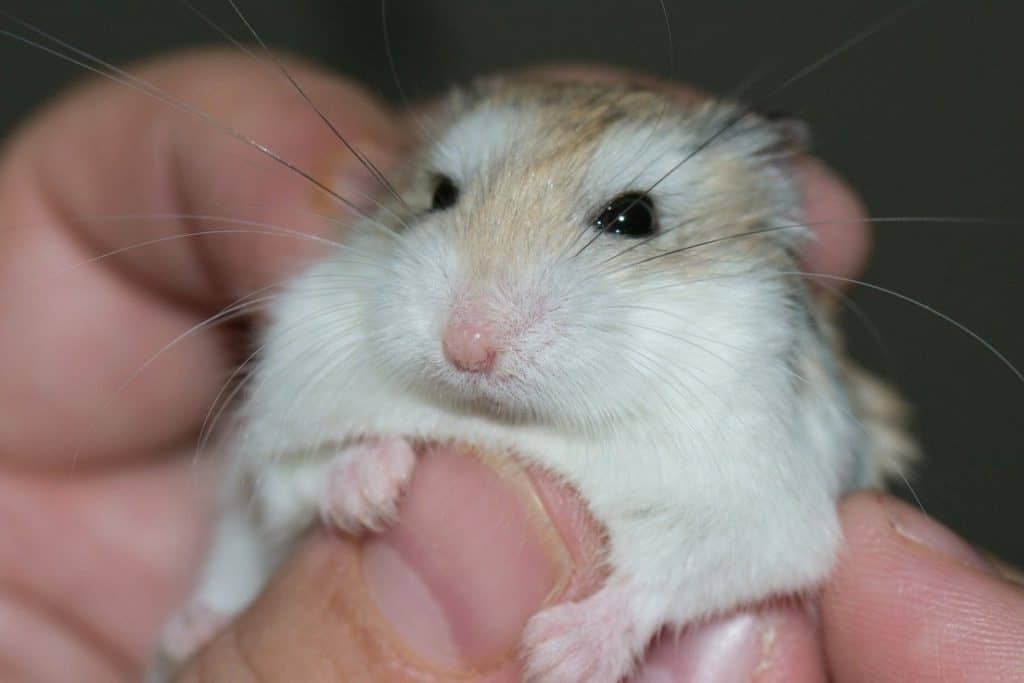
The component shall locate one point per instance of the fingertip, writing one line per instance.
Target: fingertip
(838, 220)
(776, 642)
(907, 601)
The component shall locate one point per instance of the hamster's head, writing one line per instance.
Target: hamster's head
(578, 254)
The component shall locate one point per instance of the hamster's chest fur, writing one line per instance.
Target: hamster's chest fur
(570, 275)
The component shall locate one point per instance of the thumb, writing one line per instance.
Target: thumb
(481, 544)
(911, 601)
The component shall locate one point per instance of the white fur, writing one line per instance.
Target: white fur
(666, 402)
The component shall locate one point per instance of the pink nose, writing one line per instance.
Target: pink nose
(469, 344)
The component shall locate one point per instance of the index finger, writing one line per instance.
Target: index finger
(80, 332)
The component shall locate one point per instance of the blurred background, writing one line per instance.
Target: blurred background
(924, 118)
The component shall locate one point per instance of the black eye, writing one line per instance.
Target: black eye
(445, 194)
(630, 215)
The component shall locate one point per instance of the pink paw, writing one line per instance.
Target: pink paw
(191, 629)
(593, 640)
(364, 483)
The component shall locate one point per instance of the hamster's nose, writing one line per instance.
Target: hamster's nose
(469, 344)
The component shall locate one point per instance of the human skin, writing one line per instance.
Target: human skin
(105, 508)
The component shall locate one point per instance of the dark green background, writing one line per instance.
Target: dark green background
(924, 118)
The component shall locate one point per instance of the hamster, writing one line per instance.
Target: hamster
(599, 280)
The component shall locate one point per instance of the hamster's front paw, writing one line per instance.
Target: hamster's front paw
(594, 640)
(363, 484)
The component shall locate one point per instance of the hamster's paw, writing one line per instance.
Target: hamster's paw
(185, 634)
(364, 482)
(593, 640)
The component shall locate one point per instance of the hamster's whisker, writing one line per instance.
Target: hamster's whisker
(572, 243)
(317, 375)
(797, 226)
(109, 71)
(860, 314)
(596, 236)
(241, 307)
(387, 375)
(739, 373)
(657, 370)
(735, 93)
(703, 243)
(362, 158)
(232, 312)
(341, 223)
(869, 32)
(647, 240)
(913, 492)
(690, 335)
(919, 304)
(814, 66)
(874, 287)
(655, 365)
(689, 342)
(680, 318)
(310, 382)
(206, 19)
(202, 233)
(220, 402)
(670, 38)
(393, 67)
(265, 229)
(209, 423)
(704, 144)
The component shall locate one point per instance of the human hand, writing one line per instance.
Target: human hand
(100, 549)
(103, 505)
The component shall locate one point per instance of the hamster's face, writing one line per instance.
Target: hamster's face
(576, 255)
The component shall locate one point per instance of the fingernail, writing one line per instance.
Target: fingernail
(473, 556)
(728, 650)
(1007, 571)
(921, 529)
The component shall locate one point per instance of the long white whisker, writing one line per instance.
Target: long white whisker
(171, 238)
(229, 313)
(113, 73)
(878, 288)
(367, 164)
(920, 304)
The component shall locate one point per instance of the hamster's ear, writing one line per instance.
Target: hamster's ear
(459, 99)
(464, 95)
(470, 94)
(792, 134)
(440, 112)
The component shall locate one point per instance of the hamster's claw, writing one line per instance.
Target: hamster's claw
(364, 482)
(590, 640)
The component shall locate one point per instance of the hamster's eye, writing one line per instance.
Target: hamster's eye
(445, 194)
(629, 215)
